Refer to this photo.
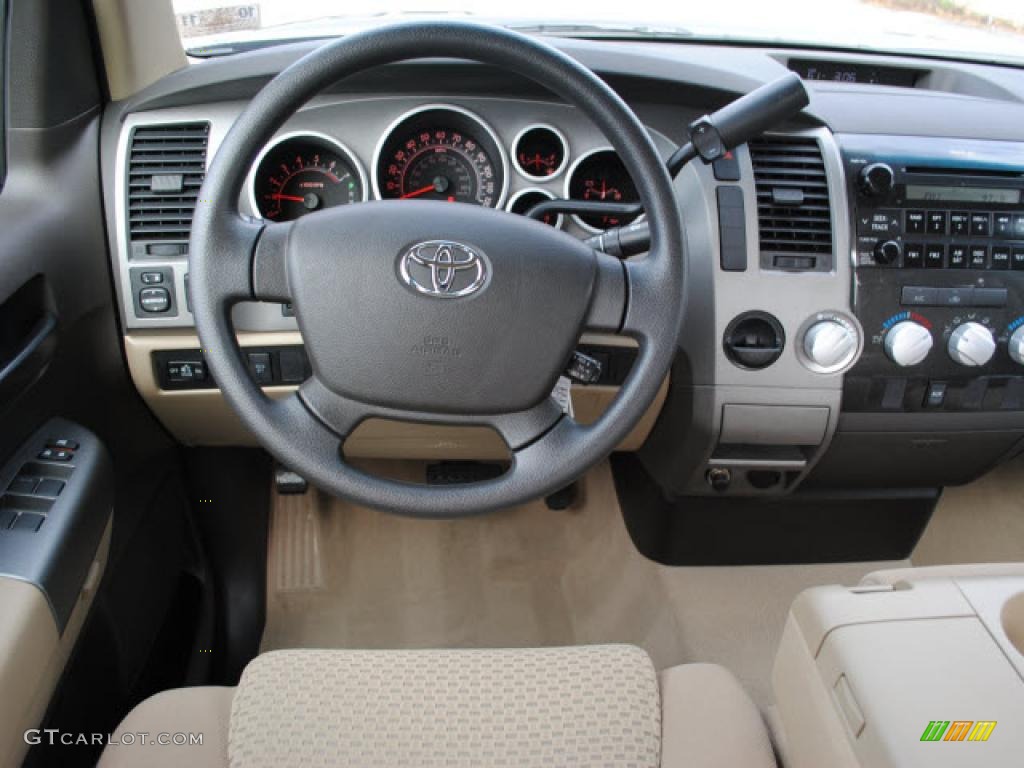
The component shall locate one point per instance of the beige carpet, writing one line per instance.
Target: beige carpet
(346, 577)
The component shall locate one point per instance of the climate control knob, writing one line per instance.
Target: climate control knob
(908, 343)
(830, 344)
(1016, 346)
(971, 344)
(877, 180)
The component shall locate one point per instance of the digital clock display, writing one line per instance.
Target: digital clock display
(929, 193)
(843, 72)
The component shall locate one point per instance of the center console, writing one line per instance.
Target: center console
(915, 672)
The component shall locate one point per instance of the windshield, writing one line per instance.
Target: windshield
(991, 30)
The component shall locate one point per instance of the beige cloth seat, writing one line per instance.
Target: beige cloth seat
(580, 706)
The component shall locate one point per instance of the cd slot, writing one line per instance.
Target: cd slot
(986, 173)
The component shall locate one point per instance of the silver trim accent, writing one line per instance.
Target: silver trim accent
(528, 190)
(444, 264)
(827, 315)
(502, 154)
(348, 154)
(568, 182)
(565, 153)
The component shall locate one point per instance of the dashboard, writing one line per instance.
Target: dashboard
(855, 279)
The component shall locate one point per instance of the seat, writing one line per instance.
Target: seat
(581, 706)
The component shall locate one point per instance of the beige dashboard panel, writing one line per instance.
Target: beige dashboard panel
(203, 417)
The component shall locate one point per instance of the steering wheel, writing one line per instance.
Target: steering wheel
(434, 312)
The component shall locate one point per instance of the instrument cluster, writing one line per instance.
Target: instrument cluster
(440, 152)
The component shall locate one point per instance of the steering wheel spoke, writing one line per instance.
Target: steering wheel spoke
(609, 296)
(524, 428)
(270, 264)
(648, 305)
(339, 413)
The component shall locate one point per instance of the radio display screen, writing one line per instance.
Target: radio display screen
(930, 193)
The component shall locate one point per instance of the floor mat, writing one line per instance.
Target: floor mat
(342, 576)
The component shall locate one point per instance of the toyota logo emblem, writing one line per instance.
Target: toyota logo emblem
(443, 269)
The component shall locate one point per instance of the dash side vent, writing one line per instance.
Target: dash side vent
(793, 209)
(166, 168)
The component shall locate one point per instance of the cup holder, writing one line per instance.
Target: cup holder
(1012, 618)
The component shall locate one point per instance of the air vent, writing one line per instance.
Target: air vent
(166, 167)
(794, 218)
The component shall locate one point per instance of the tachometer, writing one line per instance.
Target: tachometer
(600, 176)
(441, 153)
(302, 173)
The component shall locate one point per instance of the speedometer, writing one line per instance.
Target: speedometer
(441, 153)
(305, 172)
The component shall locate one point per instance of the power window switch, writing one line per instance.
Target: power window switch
(63, 443)
(49, 488)
(259, 367)
(7, 516)
(55, 454)
(23, 486)
(28, 521)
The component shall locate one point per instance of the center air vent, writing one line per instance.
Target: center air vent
(794, 218)
(166, 167)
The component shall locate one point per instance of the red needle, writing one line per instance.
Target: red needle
(418, 192)
(293, 198)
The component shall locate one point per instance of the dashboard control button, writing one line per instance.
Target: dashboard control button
(23, 486)
(959, 223)
(49, 488)
(908, 343)
(934, 256)
(877, 180)
(1016, 346)
(981, 224)
(971, 344)
(1003, 225)
(180, 371)
(151, 278)
(887, 252)
(978, 257)
(936, 222)
(915, 223)
(935, 395)
(958, 257)
(990, 297)
(918, 296)
(913, 256)
(727, 167)
(154, 300)
(955, 297)
(1017, 258)
(1000, 257)
(830, 344)
(259, 367)
(63, 442)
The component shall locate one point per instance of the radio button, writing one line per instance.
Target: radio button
(1018, 225)
(1003, 225)
(880, 223)
(1000, 257)
(913, 256)
(981, 224)
(934, 256)
(1017, 258)
(936, 222)
(958, 256)
(915, 222)
(959, 224)
(979, 257)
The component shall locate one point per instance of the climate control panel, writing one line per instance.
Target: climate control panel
(939, 276)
